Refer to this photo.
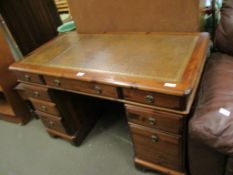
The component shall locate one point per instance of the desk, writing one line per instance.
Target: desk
(154, 75)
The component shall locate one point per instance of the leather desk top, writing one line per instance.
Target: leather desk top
(143, 61)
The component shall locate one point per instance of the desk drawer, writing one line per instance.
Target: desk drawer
(52, 122)
(37, 92)
(44, 106)
(156, 99)
(155, 119)
(29, 77)
(82, 86)
(158, 148)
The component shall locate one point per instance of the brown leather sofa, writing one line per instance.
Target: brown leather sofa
(211, 126)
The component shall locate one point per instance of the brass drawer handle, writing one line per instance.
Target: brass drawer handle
(43, 108)
(27, 78)
(57, 82)
(151, 121)
(36, 94)
(51, 124)
(98, 89)
(149, 99)
(154, 138)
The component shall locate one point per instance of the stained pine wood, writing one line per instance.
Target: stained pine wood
(92, 88)
(118, 67)
(37, 92)
(165, 151)
(12, 107)
(141, 164)
(164, 121)
(29, 77)
(62, 6)
(5, 107)
(100, 16)
(52, 122)
(161, 100)
(105, 60)
(45, 106)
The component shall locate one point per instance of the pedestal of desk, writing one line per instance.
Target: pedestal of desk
(159, 139)
(65, 115)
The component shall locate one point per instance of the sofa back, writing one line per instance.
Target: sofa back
(224, 33)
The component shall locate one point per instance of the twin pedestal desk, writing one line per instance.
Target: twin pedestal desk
(155, 76)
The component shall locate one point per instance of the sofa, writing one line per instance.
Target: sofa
(210, 142)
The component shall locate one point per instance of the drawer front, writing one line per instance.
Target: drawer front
(46, 107)
(29, 77)
(158, 148)
(19, 88)
(52, 122)
(82, 86)
(156, 99)
(165, 121)
(37, 92)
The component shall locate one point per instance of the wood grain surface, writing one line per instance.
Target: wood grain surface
(99, 16)
(142, 61)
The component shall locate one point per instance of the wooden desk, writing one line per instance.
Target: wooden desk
(154, 75)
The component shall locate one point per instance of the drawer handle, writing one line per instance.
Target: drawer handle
(57, 82)
(51, 124)
(27, 78)
(151, 121)
(43, 108)
(149, 99)
(36, 94)
(154, 138)
(98, 89)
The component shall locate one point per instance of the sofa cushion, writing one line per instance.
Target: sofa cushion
(224, 33)
(212, 122)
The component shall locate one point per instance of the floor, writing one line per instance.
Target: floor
(29, 150)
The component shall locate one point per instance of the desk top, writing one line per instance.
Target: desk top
(143, 61)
